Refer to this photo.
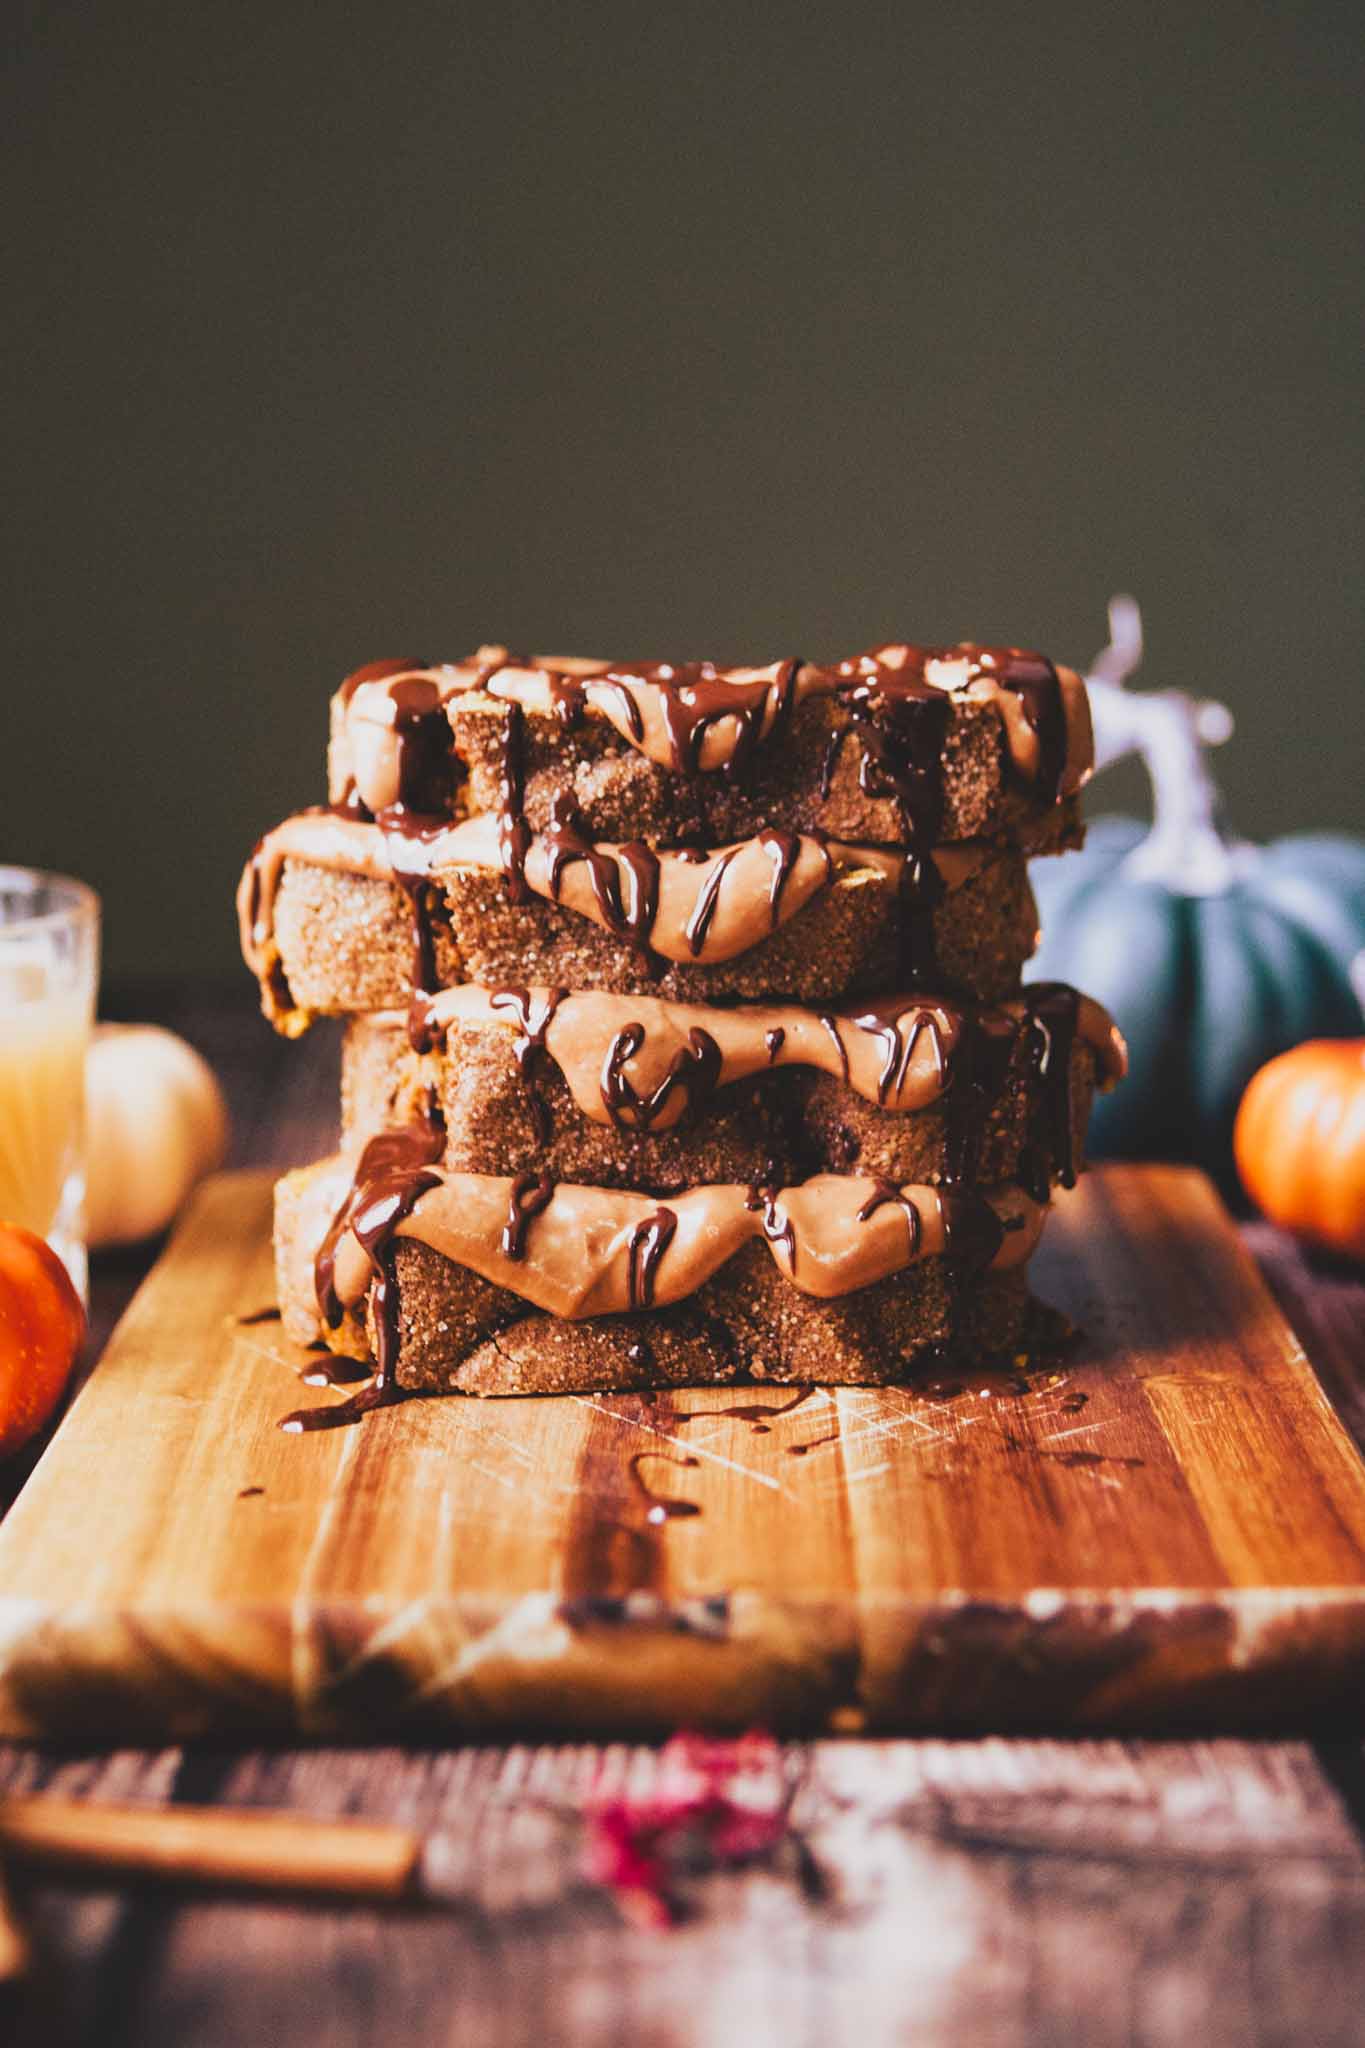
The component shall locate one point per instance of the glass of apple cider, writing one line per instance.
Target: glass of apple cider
(49, 968)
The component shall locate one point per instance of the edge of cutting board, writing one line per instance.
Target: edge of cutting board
(107, 1635)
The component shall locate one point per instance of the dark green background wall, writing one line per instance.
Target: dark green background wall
(356, 330)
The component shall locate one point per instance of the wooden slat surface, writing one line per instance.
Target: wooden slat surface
(1167, 1527)
(998, 1894)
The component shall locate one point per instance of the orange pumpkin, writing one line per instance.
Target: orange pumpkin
(41, 1326)
(1300, 1142)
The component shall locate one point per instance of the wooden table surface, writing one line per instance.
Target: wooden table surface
(976, 1892)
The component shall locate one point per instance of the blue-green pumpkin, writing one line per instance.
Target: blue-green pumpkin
(1206, 982)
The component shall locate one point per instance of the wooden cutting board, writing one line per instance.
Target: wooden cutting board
(1165, 1528)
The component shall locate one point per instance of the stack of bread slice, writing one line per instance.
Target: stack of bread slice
(687, 1039)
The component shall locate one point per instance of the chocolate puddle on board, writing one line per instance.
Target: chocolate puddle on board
(662, 1507)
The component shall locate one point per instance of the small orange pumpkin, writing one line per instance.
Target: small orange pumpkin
(1300, 1142)
(41, 1326)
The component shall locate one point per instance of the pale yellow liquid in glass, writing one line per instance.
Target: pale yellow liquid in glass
(42, 1105)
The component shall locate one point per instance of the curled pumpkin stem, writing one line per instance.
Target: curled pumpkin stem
(1186, 850)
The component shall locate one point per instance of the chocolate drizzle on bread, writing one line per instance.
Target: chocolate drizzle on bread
(395, 1171)
(667, 905)
(528, 1195)
(693, 719)
(647, 832)
(645, 1063)
(1053, 1018)
(624, 879)
(534, 1012)
(693, 1072)
(579, 1252)
(649, 1240)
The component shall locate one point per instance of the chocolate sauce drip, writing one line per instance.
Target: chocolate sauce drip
(369, 1397)
(1050, 1034)
(393, 1174)
(406, 836)
(758, 1413)
(778, 1227)
(704, 909)
(514, 832)
(921, 892)
(625, 886)
(530, 1193)
(899, 1029)
(813, 1443)
(627, 702)
(695, 696)
(529, 1049)
(427, 768)
(783, 849)
(424, 1034)
(973, 1233)
(568, 699)
(902, 722)
(258, 1315)
(663, 1507)
(639, 864)
(980, 1068)
(336, 1371)
(649, 1240)
(418, 890)
(695, 1068)
(836, 1036)
(1038, 687)
(884, 1192)
(773, 1042)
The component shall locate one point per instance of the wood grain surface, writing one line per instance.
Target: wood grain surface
(1165, 1528)
(994, 1894)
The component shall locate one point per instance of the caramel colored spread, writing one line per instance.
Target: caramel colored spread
(693, 717)
(585, 1251)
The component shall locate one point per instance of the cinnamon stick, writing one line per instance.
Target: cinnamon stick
(213, 1845)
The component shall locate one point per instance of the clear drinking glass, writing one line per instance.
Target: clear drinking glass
(49, 969)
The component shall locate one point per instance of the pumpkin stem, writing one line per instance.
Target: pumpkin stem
(1186, 850)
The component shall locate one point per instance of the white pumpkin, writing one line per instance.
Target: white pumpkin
(156, 1123)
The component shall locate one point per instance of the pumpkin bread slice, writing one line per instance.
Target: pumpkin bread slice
(638, 1096)
(457, 1332)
